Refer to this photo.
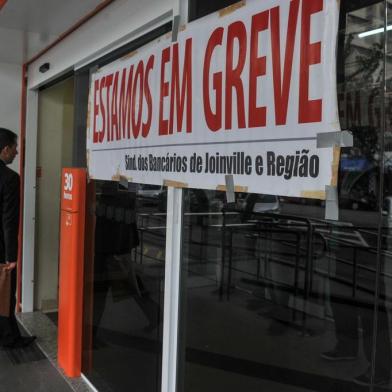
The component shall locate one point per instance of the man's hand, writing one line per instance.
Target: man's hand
(10, 266)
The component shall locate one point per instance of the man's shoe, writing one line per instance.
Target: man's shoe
(365, 379)
(339, 355)
(22, 341)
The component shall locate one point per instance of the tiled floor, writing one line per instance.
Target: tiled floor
(27, 369)
(44, 374)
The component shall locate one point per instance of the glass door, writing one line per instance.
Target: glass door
(276, 297)
(124, 286)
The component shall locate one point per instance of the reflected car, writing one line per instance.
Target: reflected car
(258, 202)
(357, 190)
(150, 193)
(195, 200)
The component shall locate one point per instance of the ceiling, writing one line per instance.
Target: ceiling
(28, 26)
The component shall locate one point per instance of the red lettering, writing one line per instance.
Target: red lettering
(137, 118)
(257, 115)
(281, 93)
(102, 106)
(214, 120)
(115, 130)
(108, 84)
(96, 112)
(176, 101)
(125, 103)
(163, 124)
(309, 110)
(147, 125)
(236, 31)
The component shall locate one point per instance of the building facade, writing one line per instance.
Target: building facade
(185, 290)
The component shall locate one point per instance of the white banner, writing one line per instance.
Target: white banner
(242, 93)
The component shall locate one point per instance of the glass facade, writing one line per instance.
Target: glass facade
(277, 297)
(124, 281)
(273, 295)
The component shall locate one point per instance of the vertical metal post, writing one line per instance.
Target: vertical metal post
(174, 229)
(354, 290)
(230, 263)
(29, 202)
(172, 287)
(380, 202)
(223, 256)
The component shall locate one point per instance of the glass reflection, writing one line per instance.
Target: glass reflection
(277, 299)
(274, 295)
(124, 287)
(384, 282)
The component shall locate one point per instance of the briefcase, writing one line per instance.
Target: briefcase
(5, 291)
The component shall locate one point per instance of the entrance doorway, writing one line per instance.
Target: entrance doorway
(54, 151)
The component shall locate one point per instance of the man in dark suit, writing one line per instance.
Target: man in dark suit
(10, 336)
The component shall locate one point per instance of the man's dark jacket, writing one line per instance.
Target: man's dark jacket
(9, 213)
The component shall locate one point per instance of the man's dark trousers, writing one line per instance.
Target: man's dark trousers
(9, 228)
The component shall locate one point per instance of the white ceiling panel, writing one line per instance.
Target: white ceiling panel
(28, 26)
